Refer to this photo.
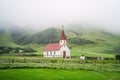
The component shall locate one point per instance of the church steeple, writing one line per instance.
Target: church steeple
(62, 37)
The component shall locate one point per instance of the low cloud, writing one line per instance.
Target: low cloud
(47, 13)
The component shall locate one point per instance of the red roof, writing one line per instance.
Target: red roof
(52, 47)
(62, 37)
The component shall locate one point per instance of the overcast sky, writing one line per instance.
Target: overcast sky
(41, 13)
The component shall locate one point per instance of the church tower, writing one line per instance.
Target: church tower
(62, 37)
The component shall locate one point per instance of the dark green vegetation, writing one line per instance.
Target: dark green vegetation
(117, 57)
(81, 41)
(8, 50)
(55, 74)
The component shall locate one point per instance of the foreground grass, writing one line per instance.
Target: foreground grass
(36, 68)
(55, 74)
(59, 63)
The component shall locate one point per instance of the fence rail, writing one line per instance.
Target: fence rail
(71, 57)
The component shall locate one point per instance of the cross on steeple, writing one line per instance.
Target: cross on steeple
(62, 27)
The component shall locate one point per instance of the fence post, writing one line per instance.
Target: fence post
(12, 60)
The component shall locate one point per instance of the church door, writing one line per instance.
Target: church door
(64, 54)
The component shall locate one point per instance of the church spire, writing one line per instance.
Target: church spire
(62, 37)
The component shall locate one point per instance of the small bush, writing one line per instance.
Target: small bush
(117, 57)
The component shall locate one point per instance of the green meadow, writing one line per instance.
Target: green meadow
(56, 74)
(36, 68)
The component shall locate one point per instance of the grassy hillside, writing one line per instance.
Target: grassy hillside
(6, 40)
(105, 42)
(81, 41)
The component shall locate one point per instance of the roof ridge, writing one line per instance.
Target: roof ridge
(52, 47)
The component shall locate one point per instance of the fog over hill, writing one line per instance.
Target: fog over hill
(39, 14)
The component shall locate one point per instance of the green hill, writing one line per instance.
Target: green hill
(81, 41)
(102, 42)
(6, 40)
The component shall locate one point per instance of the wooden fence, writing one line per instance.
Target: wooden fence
(71, 57)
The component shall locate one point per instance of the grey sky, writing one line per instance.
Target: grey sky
(39, 13)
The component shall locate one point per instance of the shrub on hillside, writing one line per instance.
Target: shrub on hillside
(117, 57)
(80, 41)
(116, 49)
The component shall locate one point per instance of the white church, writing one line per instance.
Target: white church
(58, 49)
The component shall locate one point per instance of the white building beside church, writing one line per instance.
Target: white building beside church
(58, 49)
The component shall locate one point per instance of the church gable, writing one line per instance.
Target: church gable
(64, 48)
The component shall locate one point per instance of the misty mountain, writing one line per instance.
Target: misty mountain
(97, 39)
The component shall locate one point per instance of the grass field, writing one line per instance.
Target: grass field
(55, 74)
(36, 68)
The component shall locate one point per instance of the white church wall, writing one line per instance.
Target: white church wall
(58, 53)
(52, 54)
